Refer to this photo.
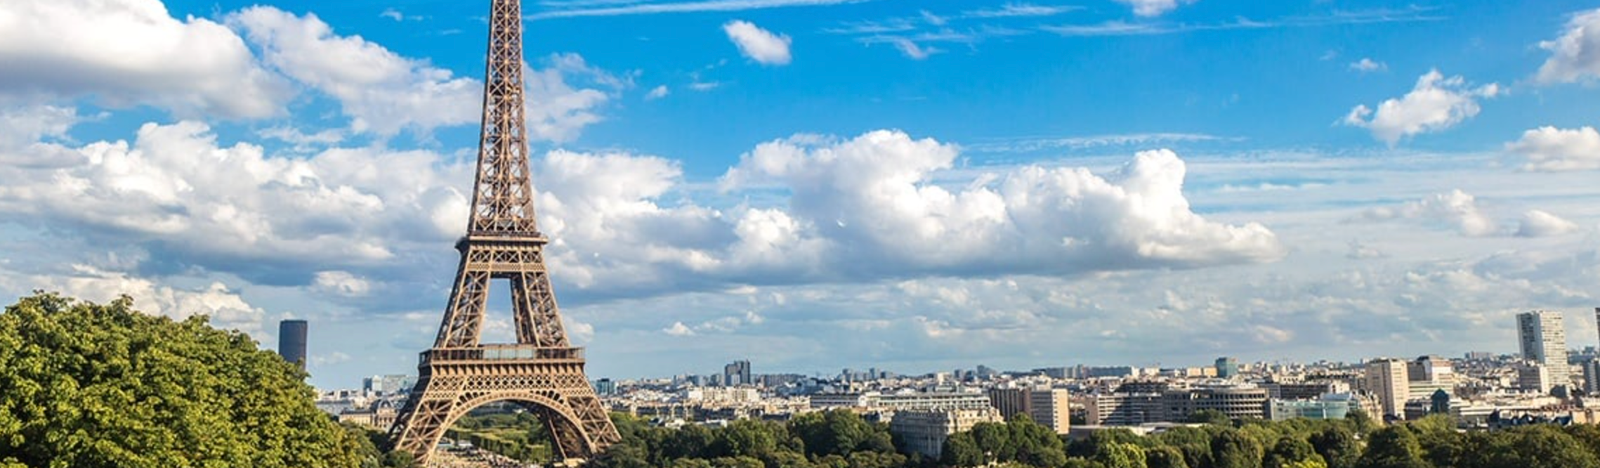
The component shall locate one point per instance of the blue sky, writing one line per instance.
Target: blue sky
(816, 184)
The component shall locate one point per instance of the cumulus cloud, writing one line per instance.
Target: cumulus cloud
(758, 44)
(381, 91)
(133, 52)
(384, 93)
(1575, 56)
(1154, 7)
(340, 283)
(236, 209)
(1536, 223)
(1455, 208)
(678, 329)
(24, 130)
(657, 93)
(873, 195)
(1436, 103)
(224, 306)
(1556, 149)
(1367, 65)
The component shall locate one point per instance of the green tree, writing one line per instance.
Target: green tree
(91, 385)
(1289, 451)
(1165, 456)
(1121, 455)
(1232, 449)
(1210, 416)
(1337, 445)
(840, 432)
(1392, 447)
(961, 449)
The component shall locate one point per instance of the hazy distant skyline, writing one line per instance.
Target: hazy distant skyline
(820, 184)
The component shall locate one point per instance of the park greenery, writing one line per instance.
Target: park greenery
(87, 385)
(840, 439)
(102, 385)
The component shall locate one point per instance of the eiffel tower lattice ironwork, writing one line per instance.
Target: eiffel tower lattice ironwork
(542, 371)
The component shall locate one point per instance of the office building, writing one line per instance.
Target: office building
(1240, 402)
(736, 374)
(1227, 367)
(924, 431)
(1009, 401)
(292, 341)
(393, 384)
(1051, 408)
(605, 387)
(1534, 377)
(1543, 339)
(1389, 381)
(1123, 409)
(1329, 406)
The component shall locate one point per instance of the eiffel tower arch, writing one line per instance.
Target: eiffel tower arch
(542, 371)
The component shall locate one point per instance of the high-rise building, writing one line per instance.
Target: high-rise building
(1227, 367)
(1591, 376)
(1051, 408)
(605, 387)
(1009, 401)
(1387, 379)
(1534, 377)
(292, 341)
(736, 373)
(1543, 339)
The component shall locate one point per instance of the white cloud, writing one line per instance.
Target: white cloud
(873, 195)
(233, 208)
(1536, 223)
(133, 52)
(1556, 149)
(224, 306)
(1013, 10)
(657, 93)
(1436, 103)
(1154, 7)
(1367, 65)
(1575, 56)
(1456, 208)
(23, 129)
(911, 49)
(384, 93)
(758, 44)
(558, 112)
(605, 8)
(381, 91)
(678, 329)
(340, 283)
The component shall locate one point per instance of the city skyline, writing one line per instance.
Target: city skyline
(824, 184)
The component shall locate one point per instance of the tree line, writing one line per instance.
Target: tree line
(90, 385)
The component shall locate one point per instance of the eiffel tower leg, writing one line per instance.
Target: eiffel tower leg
(425, 418)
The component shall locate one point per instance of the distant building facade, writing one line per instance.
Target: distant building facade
(736, 373)
(1388, 380)
(1227, 367)
(1542, 337)
(292, 341)
(925, 431)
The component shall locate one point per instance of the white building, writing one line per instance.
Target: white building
(1388, 380)
(924, 431)
(1543, 337)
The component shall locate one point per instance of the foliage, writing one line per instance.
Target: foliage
(101, 385)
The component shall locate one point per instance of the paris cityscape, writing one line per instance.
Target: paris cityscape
(799, 233)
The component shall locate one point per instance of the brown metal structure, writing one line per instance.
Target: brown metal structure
(542, 371)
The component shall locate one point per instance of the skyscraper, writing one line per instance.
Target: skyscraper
(1387, 379)
(1227, 367)
(736, 373)
(1543, 338)
(292, 341)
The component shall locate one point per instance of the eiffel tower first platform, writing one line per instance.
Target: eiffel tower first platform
(542, 371)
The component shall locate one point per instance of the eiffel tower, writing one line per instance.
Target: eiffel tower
(542, 371)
